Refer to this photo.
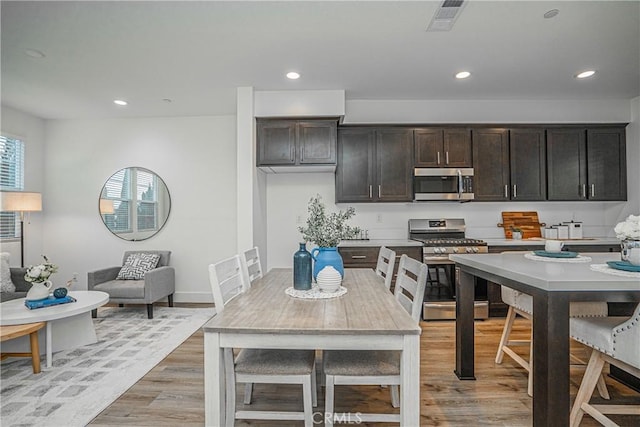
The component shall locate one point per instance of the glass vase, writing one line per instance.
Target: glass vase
(302, 269)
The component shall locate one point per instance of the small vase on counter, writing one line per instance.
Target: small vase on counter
(302, 269)
(630, 251)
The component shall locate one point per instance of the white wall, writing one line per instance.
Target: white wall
(287, 194)
(195, 156)
(32, 131)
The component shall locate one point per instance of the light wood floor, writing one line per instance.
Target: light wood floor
(172, 393)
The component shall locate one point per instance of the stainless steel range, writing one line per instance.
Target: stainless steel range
(441, 237)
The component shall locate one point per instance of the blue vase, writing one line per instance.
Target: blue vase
(302, 269)
(324, 257)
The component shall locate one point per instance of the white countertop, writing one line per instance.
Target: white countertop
(540, 241)
(552, 276)
(378, 242)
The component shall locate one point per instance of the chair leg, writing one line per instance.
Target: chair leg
(307, 394)
(94, 313)
(230, 380)
(35, 352)
(588, 384)
(150, 311)
(530, 376)
(328, 400)
(170, 298)
(395, 396)
(506, 331)
(314, 387)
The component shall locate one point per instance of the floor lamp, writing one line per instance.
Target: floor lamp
(20, 201)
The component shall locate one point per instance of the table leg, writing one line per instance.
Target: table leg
(410, 388)
(551, 402)
(465, 351)
(49, 344)
(214, 383)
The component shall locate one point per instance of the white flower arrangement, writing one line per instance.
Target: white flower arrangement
(628, 229)
(41, 272)
(324, 230)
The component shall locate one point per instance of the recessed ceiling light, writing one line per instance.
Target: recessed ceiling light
(551, 13)
(120, 102)
(293, 75)
(463, 75)
(33, 53)
(585, 74)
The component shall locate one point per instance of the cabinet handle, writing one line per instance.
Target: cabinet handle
(379, 191)
(370, 192)
(506, 191)
(358, 256)
(593, 190)
(584, 191)
(515, 191)
(446, 157)
(438, 153)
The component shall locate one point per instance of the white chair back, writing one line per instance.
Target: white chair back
(386, 262)
(410, 285)
(251, 265)
(227, 281)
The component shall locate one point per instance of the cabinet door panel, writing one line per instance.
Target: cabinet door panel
(394, 172)
(528, 164)
(606, 164)
(428, 146)
(457, 148)
(491, 164)
(354, 173)
(566, 168)
(276, 142)
(317, 142)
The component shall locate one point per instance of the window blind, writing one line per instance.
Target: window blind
(11, 179)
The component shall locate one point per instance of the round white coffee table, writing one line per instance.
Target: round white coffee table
(68, 325)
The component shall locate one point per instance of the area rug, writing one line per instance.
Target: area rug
(82, 382)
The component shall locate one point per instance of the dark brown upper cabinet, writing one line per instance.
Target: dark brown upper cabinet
(296, 142)
(586, 164)
(528, 172)
(491, 164)
(439, 148)
(374, 165)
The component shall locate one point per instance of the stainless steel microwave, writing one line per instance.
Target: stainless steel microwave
(443, 184)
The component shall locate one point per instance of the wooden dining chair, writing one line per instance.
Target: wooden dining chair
(614, 340)
(522, 304)
(252, 266)
(259, 365)
(384, 267)
(376, 367)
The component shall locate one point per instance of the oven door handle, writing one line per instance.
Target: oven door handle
(459, 184)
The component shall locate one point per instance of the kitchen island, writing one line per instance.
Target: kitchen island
(552, 285)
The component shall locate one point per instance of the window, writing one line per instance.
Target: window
(11, 179)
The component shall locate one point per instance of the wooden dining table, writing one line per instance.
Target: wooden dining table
(367, 317)
(553, 285)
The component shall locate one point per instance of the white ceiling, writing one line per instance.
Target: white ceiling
(198, 53)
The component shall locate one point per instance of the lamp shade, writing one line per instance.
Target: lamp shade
(106, 206)
(20, 201)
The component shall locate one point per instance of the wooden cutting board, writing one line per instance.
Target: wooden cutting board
(527, 222)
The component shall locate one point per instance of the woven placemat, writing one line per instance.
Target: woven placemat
(315, 293)
(604, 268)
(578, 259)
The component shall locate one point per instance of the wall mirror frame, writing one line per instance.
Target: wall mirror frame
(134, 203)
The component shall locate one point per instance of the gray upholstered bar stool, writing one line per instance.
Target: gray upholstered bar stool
(614, 340)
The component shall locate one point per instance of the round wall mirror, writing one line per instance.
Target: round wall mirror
(134, 203)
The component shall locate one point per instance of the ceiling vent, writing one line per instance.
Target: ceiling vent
(446, 15)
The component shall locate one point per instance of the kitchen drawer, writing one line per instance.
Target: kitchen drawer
(359, 257)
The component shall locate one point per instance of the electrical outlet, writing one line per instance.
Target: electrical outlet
(379, 218)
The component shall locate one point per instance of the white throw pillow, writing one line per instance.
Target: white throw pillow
(137, 265)
(6, 285)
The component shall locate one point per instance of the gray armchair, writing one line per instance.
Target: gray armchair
(22, 286)
(157, 283)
